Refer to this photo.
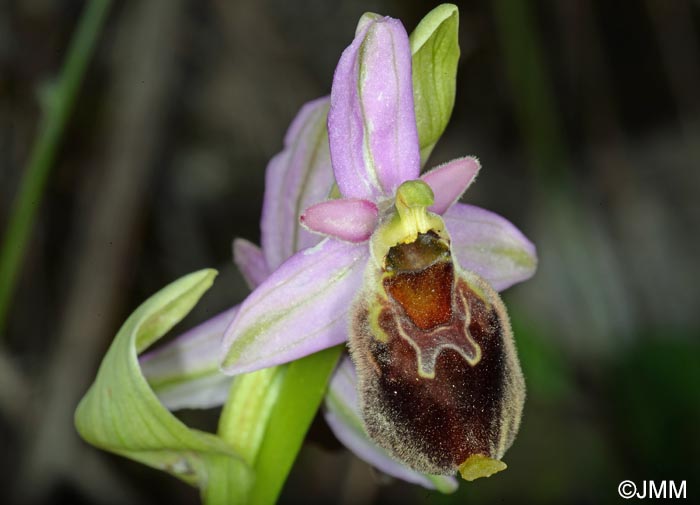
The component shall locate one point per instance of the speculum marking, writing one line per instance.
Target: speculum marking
(423, 306)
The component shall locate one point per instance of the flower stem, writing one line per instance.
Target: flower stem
(57, 110)
(300, 394)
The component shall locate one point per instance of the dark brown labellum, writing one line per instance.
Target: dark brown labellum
(438, 377)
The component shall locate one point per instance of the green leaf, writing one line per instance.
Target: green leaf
(120, 412)
(435, 48)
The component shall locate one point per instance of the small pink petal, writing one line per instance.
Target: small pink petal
(352, 219)
(450, 180)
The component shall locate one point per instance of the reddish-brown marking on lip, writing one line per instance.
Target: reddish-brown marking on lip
(419, 276)
(425, 295)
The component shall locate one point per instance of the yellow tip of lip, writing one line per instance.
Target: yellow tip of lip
(478, 465)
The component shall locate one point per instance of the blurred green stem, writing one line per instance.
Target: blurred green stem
(532, 92)
(57, 109)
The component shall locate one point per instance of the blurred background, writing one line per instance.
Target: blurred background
(585, 115)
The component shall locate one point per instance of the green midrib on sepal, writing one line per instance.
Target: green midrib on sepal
(518, 256)
(164, 382)
(253, 332)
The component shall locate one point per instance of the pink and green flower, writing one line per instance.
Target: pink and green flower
(345, 204)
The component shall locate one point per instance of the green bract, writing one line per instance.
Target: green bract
(435, 49)
(121, 413)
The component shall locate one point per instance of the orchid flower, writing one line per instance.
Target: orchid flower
(324, 260)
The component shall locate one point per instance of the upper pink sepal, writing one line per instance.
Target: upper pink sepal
(371, 123)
